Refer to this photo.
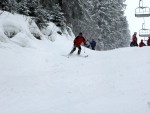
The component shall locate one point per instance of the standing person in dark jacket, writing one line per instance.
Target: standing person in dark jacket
(77, 43)
(93, 44)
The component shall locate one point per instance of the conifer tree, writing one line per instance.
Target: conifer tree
(37, 11)
(23, 7)
(57, 16)
(8, 5)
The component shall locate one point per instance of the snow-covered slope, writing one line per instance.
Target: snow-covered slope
(42, 80)
(39, 78)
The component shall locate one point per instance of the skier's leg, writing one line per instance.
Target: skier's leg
(79, 51)
(74, 48)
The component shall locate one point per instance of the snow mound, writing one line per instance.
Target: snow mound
(23, 31)
(22, 40)
(12, 26)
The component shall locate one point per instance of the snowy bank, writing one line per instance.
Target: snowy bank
(23, 31)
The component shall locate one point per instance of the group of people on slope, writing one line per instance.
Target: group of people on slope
(79, 40)
(91, 44)
(141, 44)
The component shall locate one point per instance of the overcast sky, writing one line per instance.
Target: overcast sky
(135, 24)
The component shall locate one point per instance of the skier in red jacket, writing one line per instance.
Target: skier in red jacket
(141, 44)
(77, 43)
(134, 40)
(148, 41)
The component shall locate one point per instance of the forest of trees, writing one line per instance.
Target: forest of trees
(102, 20)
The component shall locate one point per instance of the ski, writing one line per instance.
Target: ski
(83, 55)
(69, 55)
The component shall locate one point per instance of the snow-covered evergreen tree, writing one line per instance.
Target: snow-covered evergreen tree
(102, 20)
(57, 16)
(110, 18)
(37, 11)
(23, 7)
(8, 5)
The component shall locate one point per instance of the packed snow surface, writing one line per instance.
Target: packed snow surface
(44, 80)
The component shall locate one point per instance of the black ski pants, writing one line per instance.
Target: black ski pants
(74, 48)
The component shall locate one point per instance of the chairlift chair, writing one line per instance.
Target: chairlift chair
(144, 32)
(142, 12)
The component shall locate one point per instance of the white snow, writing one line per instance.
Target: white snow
(37, 77)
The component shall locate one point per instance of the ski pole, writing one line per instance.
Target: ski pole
(84, 49)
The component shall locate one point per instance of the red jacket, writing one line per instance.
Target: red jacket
(134, 38)
(141, 44)
(79, 40)
(148, 41)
